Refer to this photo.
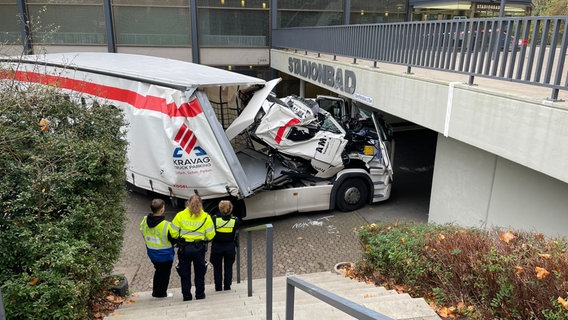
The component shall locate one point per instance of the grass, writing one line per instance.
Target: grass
(469, 273)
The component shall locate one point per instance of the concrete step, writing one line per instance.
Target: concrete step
(235, 304)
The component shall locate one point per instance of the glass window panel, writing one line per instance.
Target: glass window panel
(64, 2)
(153, 3)
(311, 5)
(155, 26)
(68, 24)
(364, 11)
(249, 4)
(290, 19)
(9, 23)
(233, 28)
(367, 18)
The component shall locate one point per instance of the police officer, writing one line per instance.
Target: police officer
(193, 228)
(223, 246)
(157, 236)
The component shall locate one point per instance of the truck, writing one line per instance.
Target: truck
(223, 135)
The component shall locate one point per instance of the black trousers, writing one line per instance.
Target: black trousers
(162, 271)
(190, 254)
(222, 258)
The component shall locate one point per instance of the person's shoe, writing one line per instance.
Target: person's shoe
(227, 287)
(218, 288)
(200, 297)
(187, 298)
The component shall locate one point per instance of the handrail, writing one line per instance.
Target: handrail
(529, 50)
(351, 308)
(269, 263)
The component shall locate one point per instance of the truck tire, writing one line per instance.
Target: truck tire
(352, 195)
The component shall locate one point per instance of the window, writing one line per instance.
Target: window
(9, 22)
(301, 13)
(152, 22)
(67, 22)
(233, 27)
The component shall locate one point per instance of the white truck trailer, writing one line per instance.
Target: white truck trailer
(198, 129)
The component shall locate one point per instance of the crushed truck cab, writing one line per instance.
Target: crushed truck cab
(223, 135)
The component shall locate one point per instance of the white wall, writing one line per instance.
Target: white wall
(475, 188)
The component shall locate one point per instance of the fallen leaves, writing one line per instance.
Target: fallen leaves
(33, 281)
(43, 125)
(507, 236)
(452, 312)
(541, 273)
(563, 302)
(519, 270)
(106, 304)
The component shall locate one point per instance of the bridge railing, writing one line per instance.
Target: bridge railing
(530, 50)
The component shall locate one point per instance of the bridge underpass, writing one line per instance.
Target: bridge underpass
(501, 152)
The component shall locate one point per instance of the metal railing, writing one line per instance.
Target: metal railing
(529, 50)
(269, 263)
(351, 308)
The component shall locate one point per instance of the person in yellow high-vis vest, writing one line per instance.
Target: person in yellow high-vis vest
(223, 246)
(192, 228)
(157, 234)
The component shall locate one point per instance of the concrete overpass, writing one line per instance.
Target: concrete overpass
(502, 148)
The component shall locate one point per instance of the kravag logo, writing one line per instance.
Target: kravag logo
(194, 157)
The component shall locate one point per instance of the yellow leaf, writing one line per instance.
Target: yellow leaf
(441, 237)
(402, 240)
(519, 270)
(443, 312)
(563, 302)
(507, 236)
(299, 238)
(541, 273)
(33, 281)
(43, 125)
(544, 255)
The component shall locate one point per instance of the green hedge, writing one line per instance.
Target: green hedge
(62, 191)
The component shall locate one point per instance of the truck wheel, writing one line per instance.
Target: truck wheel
(352, 195)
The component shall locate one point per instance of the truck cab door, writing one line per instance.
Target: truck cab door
(386, 151)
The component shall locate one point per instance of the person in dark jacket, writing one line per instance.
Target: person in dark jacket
(159, 246)
(223, 246)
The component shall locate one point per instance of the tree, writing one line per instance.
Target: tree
(550, 8)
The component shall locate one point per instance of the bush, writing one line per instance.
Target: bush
(62, 192)
(470, 272)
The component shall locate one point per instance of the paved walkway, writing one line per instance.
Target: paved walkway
(303, 243)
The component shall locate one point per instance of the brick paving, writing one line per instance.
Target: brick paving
(303, 243)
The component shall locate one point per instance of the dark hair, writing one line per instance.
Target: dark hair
(157, 205)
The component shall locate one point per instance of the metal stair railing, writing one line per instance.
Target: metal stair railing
(269, 263)
(351, 308)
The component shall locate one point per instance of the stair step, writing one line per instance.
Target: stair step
(235, 303)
